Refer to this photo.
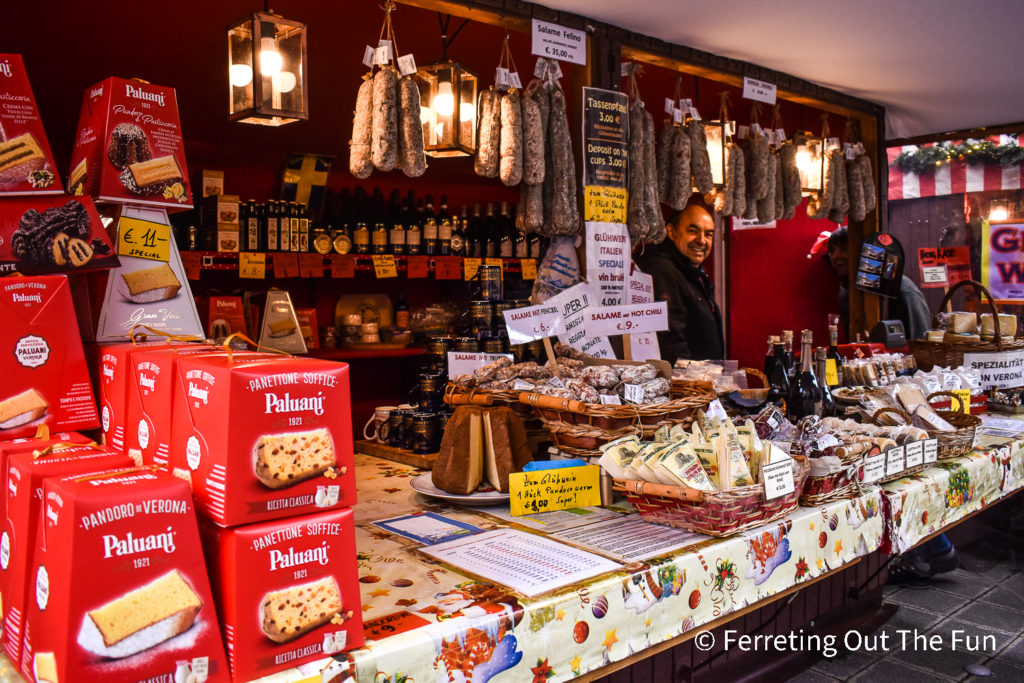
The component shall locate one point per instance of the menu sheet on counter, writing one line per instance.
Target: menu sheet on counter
(630, 539)
(525, 562)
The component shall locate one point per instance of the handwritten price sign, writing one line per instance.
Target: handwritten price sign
(628, 319)
(559, 42)
(531, 323)
(556, 489)
(252, 266)
(144, 239)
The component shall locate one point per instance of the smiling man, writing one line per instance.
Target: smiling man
(694, 320)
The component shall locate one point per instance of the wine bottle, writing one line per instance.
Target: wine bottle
(505, 233)
(272, 223)
(489, 235)
(778, 380)
(833, 361)
(474, 247)
(805, 392)
(361, 238)
(787, 355)
(401, 311)
(828, 404)
(444, 228)
(459, 226)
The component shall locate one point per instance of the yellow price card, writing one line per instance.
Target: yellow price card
(469, 268)
(144, 239)
(529, 267)
(252, 266)
(962, 403)
(555, 489)
(384, 266)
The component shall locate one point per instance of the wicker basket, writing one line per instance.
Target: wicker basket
(838, 485)
(930, 354)
(590, 425)
(951, 444)
(715, 513)
(455, 395)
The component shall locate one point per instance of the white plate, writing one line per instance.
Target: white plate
(425, 484)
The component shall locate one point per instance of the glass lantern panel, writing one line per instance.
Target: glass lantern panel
(716, 151)
(467, 111)
(240, 68)
(443, 105)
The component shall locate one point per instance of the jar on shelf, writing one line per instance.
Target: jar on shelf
(481, 314)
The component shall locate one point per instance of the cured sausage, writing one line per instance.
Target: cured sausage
(758, 159)
(750, 211)
(359, 163)
(666, 143)
(489, 134)
(564, 213)
(384, 150)
(680, 180)
(411, 156)
(700, 160)
(533, 141)
(636, 210)
(655, 221)
(790, 180)
(780, 196)
(511, 163)
(868, 180)
(841, 201)
(530, 216)
(855, 186)
(766, 206)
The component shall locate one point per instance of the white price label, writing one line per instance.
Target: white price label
(685, 103)
(515, 80)
(522, 385)
(849, 152)
(780, 134)
(915, 453)
(559, 42)
(778, 479)
(874, 467)
(610, 399)
(669, 105)
(627, 319)
(465, 362)
(540, 69)
(634, 393)
(368, 57)
(894, 461)
(501, 78)
(762, 91)
(931, 450)
(384, 43)
(743, 133)
(382, 55)
(677, 115)
(407, 64)
(694, 114)
(556, 382)
(934, 275)
(531, 323)
(624, 68)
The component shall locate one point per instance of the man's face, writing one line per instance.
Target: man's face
(693, 234)
(837, 256)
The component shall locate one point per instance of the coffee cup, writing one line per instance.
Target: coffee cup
(371, 430)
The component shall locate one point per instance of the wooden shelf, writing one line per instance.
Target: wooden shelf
(399, 455)
(358, 354)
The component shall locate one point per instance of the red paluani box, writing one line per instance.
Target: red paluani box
(23, 476)
(263, 438)
(286, 590)
(150, 388)
(26, 163)
(129, 147)
(115, 374)
(118, 586)
(45, 378)
(53, 235)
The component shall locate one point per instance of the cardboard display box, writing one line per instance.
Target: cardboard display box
(26, 163)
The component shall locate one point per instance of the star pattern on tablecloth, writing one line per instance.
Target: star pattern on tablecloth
(812, 526)
(610, 639)
(560, 614)
(574, 664)
(839, 546)
(379, 593)
(648, 622)
(821, 564)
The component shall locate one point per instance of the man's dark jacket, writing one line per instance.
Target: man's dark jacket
(694, 319)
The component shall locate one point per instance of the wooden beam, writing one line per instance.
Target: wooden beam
(1005, 129)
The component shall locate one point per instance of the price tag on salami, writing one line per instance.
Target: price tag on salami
(670, 105)
(522, 385)
(407, 64)
(778, 479)
(627, 319)
(694, 114)
(931, 450)
(610, 399)
(874, 467)
(634, 393)
(384, 52)
(555, 382)
(515, 80)
(252, 266)
(369, 57)
(677, 115)
(384, 266)
(501, 78)
(531, 323)
(895, 461)
(915, 453)
(685, 103)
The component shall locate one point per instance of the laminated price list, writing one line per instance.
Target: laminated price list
(525, 562)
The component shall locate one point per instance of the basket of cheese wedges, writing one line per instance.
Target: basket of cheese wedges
(708, 479)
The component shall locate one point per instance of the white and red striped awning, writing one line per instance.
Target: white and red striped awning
(954, 177)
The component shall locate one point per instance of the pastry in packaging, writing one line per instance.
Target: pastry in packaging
(53, 234)
(149, 285)
(26, 163)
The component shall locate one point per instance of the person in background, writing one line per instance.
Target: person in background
(910, 307)
(694, 319)
(938, 555)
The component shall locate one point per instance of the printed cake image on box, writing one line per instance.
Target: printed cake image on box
(26, 163)
(287, 449)
(119, 587)
(286, 590)
(45, 378)
(53, 235)
(129, 146)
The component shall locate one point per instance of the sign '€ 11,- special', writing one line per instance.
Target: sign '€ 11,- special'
(144, 239)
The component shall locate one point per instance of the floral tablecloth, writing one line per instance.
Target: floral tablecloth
(429, 622)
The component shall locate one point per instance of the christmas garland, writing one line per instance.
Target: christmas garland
(974, 152)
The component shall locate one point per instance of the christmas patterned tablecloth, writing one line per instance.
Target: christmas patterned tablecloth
(925, 503)
(428, 622)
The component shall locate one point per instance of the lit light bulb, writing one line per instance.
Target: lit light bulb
(425, 113)
(998, 212)
(270, 59)
(444, 101)
(803, 159)
(467, 112)
(284, 81)
(241, 75)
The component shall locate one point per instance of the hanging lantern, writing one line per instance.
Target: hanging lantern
(273, 49)
(716, 134)
(447, 109)
(810, 161)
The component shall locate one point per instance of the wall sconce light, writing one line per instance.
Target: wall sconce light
(273, 49)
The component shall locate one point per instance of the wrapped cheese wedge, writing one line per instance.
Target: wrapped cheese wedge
(679, 463)
(732, 466)
(617, 455)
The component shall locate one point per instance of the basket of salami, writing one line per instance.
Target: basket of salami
(958, 333)
(953, 430)
(709, 479)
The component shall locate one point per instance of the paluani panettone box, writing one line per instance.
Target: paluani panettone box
(116, 373)
(286, 590)
(263, 438)
(118, 587)
(150, 388)
(26, 163)
(41, 443)
(23, 477)
(129, 147)
(45, 378)
(53, 235)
